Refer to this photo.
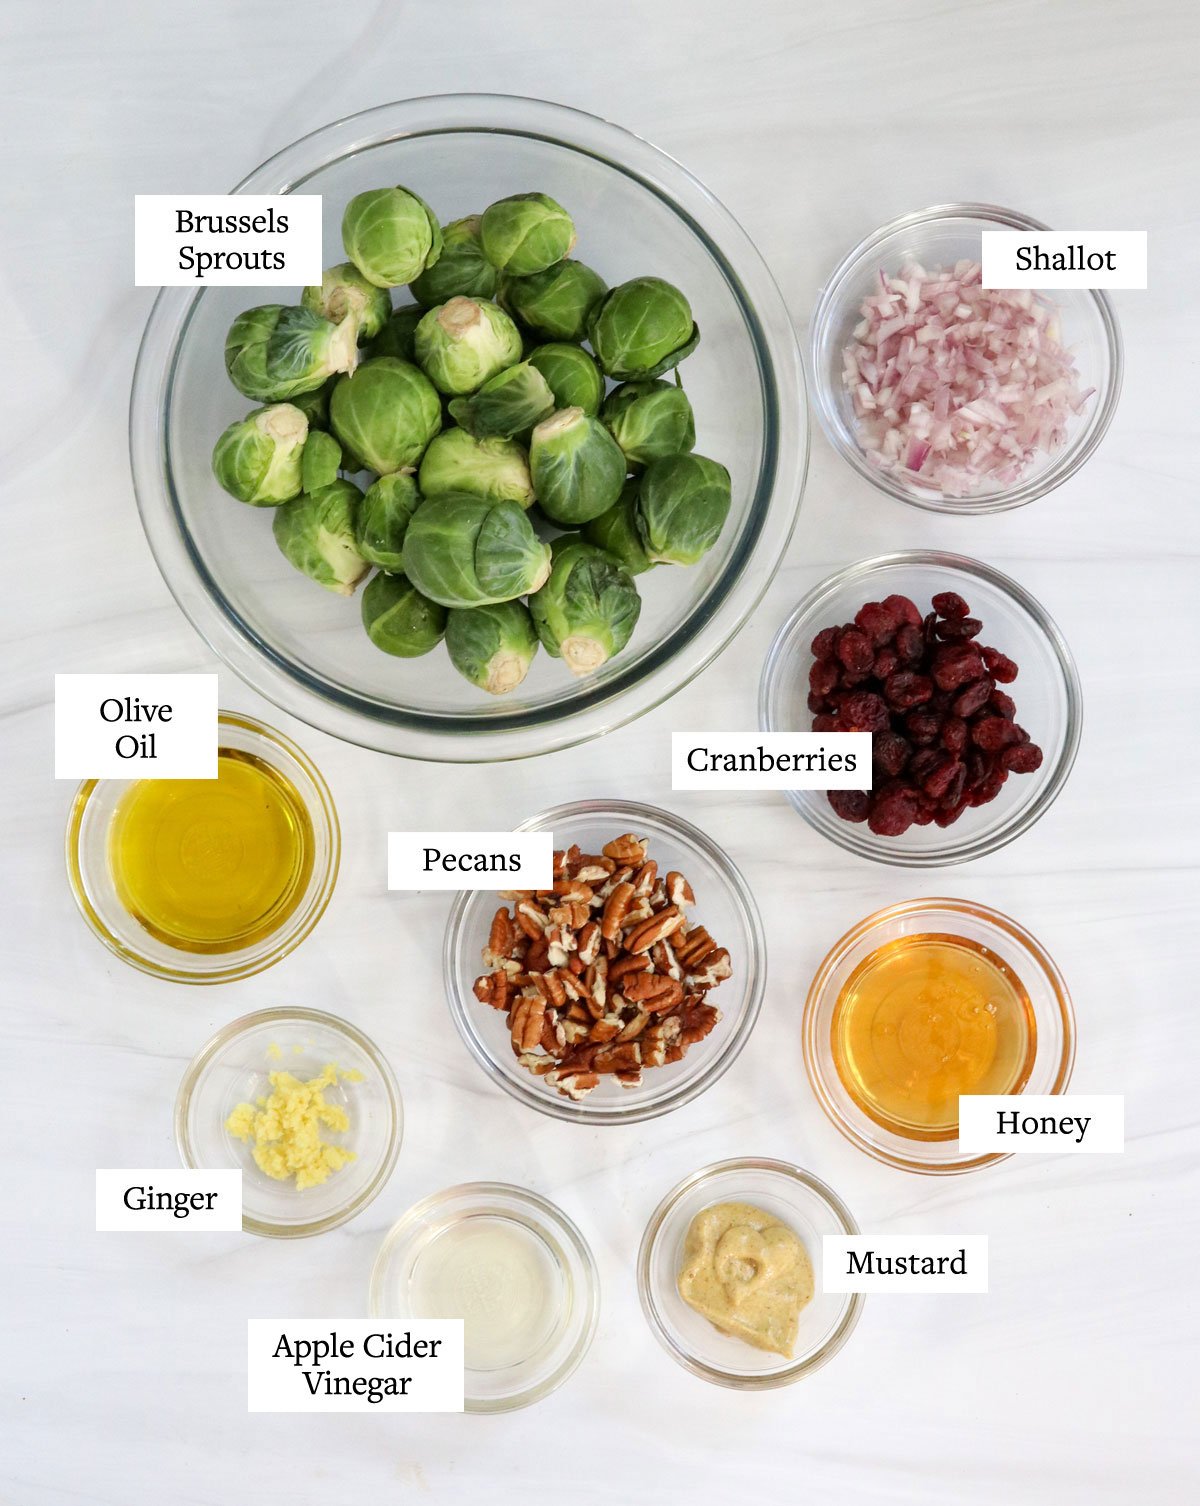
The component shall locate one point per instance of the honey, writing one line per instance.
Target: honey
(212, 865)
(923, 1019)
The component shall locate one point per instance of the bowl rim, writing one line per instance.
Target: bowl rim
(627, 1110)
(772, 1380)
(1073, 453)
(229, 1033)
(930, 905)
(492, 734)
(401, 1230)
(274, 947)
(846, 834)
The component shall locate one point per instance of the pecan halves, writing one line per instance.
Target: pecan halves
(657, 928)
(526, 1020)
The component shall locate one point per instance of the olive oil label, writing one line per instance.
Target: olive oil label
(904, 1263)
(232, 240)
(770, 760)
(1064, 258)
(470, 860)
(135, 726)
(355, 1365)
(171, 1201)
(1077, 1124)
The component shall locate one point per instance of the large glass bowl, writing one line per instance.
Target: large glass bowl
(637, 211)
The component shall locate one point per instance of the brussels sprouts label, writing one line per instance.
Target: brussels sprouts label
(355, 1365)
(904, 1263)
(771, 760)
(1042, 1123)
(1064, 258)
(135, 726)
(470, 860)
(174, 1201)
(231, 240)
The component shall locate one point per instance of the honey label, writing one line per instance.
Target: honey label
(172, 1201)
(770, 760)
(135, 726)
(355, 1365)
(235, 240)
(470, 860)
(904, 1263)
(1042, 1123)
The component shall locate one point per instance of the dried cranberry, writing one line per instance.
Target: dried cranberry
(885, 663)
(969, 701)
(903, 610)
(925, 815)
(950, 604)
(825, 723)
(1022, 735)
(877, 622)
(1022, 758)
(855, 650)
(959, 629)
(824, 643)
(979, 766)
(924, 763)
(910, 643)
(849, 679)
(955, 734)
(893, 811)
(937, 780)
(1003, 705)
(850, 805)
(929, 627)
(823, 676)
(890, 752)
(1000, 666)
(989, 789)
(956, 664)
(816, 703)
(904, 689)
(950, 816)
(864, 712)
(993, 733)
(954, 790)
(923, 727)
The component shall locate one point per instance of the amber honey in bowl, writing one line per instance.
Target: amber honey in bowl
(924, 1018)
(212, 865)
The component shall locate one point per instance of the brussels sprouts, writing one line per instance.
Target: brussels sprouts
(510, 403)
(650, 420)
(492, 646)
(397, 337)
(316, 533)
(273, 353)
(258, 459)
(526, 233)
(398, 619)
(571, 374)
(320, 462)
(385, 414)
(383, 518)
(683, 502)
(616, 531)
(495, 469)
(462, 343)
(344, 293)
(464, 551)
(577, 467)
(391, 235)
(461, 271)
(641, 329)
(555, 303)
(315, 405)
(588, 608)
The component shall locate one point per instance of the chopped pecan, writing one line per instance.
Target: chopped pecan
(627, 849)
(657, 928)
(500, 939)
(654, 993)
(615, 908)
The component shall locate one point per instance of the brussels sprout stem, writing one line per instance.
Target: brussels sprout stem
(505, 672)
(343, 346)
(284, 424)
(582, 655)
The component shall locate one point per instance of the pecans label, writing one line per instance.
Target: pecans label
(470, 860)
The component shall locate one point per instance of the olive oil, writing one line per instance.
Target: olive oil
(212, 865)
(923, 1019)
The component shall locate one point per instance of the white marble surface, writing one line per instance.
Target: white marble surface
(124, 1357)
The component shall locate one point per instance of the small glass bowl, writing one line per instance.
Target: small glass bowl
(235, 1067)
(797, 1199)
(1047, 692)
(940, 236)
(92, 885)
(1054, 1019)
(724, 904)
(570, 1334)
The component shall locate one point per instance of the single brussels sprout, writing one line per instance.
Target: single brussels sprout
(316, 533)
(571, 374)
(315, 405)
(555, 303)
(509, 404)
(398, 619)
(258, 459)
(588, 608)
(495, 469)
(383, 518)
(320, 461)
(577, 467)
(273, 353)
(641, 329)
(461, 271)
(464, 551)
(385, 414)
(526, 233)
(344, 293)
(616, 532)
(492, 646)
(391, 235)
(683, 502)
(649, 420)
(460, 344)
(398, 335)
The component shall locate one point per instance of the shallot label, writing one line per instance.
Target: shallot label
(1064, 258)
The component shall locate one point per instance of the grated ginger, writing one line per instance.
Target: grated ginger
(284, 1128)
